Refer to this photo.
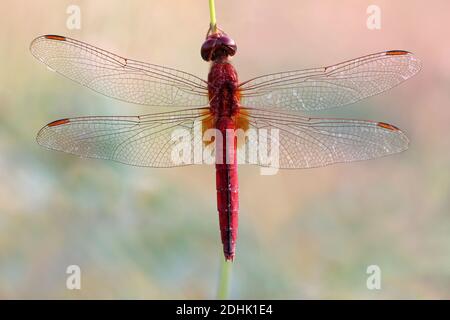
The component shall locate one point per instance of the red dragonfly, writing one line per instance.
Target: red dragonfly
(270, 102)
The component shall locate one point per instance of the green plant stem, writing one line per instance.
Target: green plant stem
(224, 281)
(212, 14)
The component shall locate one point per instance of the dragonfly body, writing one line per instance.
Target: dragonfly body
(224, 104)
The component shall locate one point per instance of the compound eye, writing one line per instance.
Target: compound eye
(207, 49)
(227, 41)
(228, 45)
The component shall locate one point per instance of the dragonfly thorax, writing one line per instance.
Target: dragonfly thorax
(223, 89)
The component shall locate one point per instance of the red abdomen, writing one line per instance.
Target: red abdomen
(224, 104)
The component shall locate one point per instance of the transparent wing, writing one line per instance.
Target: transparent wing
(124, 79)
(333, 86)
(148, 140)
(298, 142)
(291, 141)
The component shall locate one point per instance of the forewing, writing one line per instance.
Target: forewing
(114, 76)
(333, 86)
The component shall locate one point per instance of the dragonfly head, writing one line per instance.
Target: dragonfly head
(218, 45)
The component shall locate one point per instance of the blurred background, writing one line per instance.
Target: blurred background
(153, 233)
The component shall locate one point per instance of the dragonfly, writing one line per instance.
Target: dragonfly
(276, 101)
